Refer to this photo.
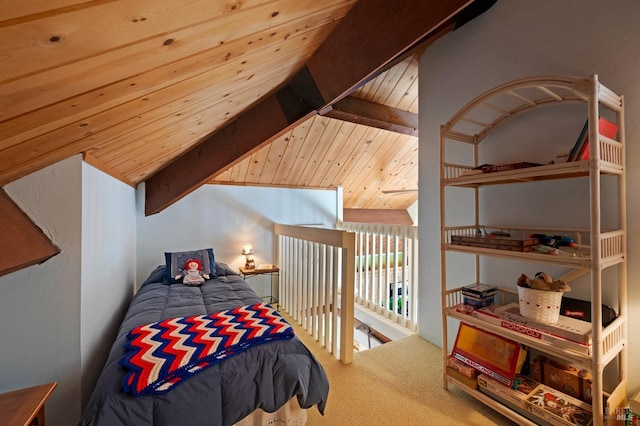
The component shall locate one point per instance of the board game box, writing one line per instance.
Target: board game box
(515, 394)
(479, 295)
(566, 327)
(479, 290)
(488, 353)
(500, 243)
(513, 397)
(565, 378)
(558, 408)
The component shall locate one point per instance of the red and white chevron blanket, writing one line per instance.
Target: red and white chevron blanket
(162, 354)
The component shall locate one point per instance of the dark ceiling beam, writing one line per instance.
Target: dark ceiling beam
(255, 128)
(476, 8)
(372, 35)
(22, 242)
(371, 114)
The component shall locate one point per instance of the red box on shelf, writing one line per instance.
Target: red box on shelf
(489, 353)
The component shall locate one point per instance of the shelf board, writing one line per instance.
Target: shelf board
(530, 174)
(492, 403)
(578, 261)
(542, 345)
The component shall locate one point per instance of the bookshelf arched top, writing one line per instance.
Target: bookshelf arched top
(486, 112)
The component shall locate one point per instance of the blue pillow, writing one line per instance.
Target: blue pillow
(175, 263)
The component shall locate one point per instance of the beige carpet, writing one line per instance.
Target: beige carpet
(399, 383)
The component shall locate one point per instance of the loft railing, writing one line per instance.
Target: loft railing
(386, 273)
(317, 283)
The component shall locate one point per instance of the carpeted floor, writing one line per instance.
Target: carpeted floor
(399, 383)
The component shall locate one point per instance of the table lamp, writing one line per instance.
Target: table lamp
(247, 250)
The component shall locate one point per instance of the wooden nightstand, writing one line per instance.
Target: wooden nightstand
(25, 407)
(273, 271)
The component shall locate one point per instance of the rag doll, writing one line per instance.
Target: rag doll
(192, 273)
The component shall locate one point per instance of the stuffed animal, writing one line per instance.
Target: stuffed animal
(542, 281)
(192, 273)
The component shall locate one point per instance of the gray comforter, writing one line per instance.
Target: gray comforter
(265, 376)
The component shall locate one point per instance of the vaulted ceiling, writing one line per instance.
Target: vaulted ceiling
(178, 94)
(324, 152)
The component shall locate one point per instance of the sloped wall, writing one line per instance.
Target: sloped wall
(57, 319)
(40, 305)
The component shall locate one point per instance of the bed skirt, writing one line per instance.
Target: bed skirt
(289, 414)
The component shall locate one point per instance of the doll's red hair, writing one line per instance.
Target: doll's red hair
(186, 264)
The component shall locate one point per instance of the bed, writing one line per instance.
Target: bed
(275, 381)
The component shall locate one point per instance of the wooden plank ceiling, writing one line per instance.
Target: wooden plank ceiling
(324, 152)
(133, 85)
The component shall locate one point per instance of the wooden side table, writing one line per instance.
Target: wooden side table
(273, 271)
(25, 407)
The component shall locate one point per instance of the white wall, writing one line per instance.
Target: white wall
(108, 267)
(516, 39)
(40, 305)
(225, 217)
(58, 319)
(413, 213)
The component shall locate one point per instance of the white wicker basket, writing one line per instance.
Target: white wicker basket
(540, 305)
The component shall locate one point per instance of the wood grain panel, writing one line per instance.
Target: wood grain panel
(112, 117)
(305, 153)
(116, 76)
(58, 39)
(274, 158)
(347, 145)
(369, 166)
(256, 162)
(353, 164)
(382, 176)
(316, 172)
(133, 84)
(290, 156)
(196, 118)
(398, 90)
(15, 12)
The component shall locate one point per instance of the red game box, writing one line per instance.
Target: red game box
(489, 353)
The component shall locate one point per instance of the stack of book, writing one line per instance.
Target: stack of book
(580, 150)
(496, 242)
(492, 168)
(479, 295)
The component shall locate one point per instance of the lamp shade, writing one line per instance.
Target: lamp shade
(247, 249)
